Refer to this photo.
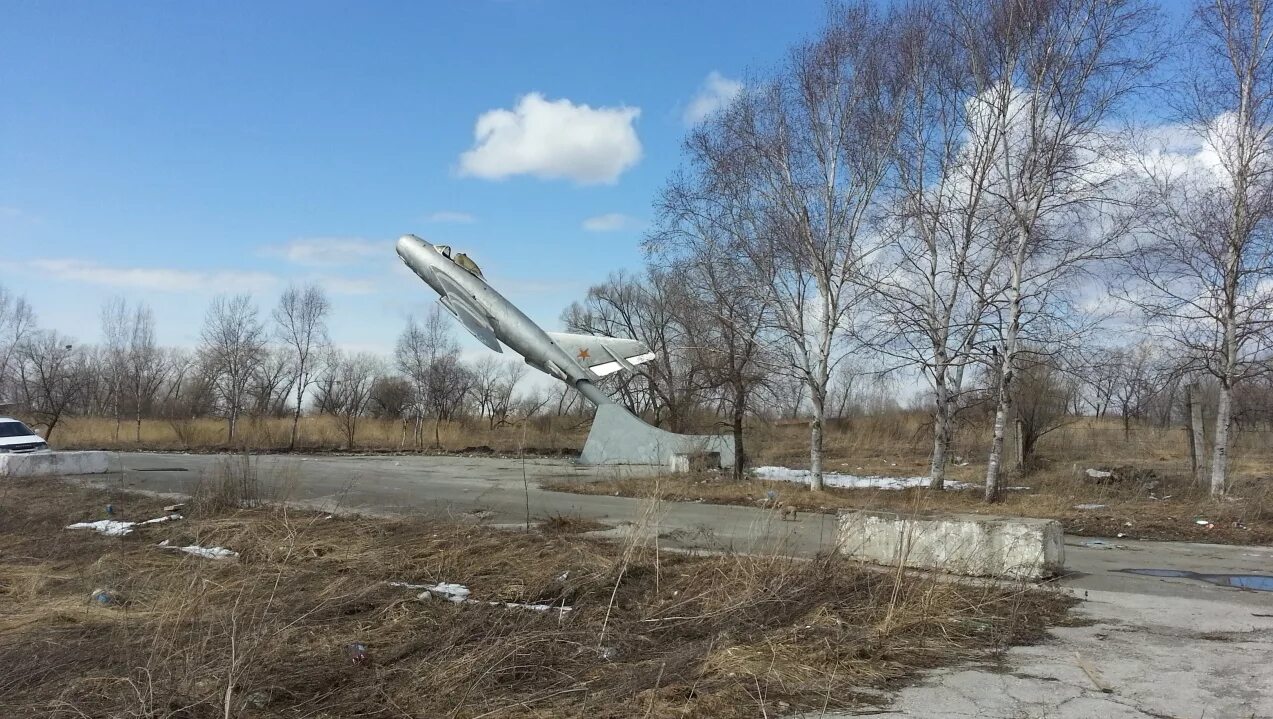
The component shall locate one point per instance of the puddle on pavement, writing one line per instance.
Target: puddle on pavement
(1254, 582)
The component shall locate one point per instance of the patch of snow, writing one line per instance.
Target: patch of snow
(207, 552)
(1099, 474)
(1090, 506)
(533, 607)
(408, 585)
(849, 481)
(116, 528)
(459, 594)
(109, 527)
(448, 591)
(160, 520)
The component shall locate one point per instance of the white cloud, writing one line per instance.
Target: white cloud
(319, 251)
(451, 216)
(554, 139)
(609, 222)
(158, 279)
(716, 92)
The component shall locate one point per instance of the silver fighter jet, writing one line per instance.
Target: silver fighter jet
(617, 436)
(578, 360)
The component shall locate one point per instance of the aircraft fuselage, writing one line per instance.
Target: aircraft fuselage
(487, 314)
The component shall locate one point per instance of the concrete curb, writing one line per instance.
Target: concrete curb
(968, 544)
(48, 464)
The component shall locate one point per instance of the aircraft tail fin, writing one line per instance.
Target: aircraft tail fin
(603, 355)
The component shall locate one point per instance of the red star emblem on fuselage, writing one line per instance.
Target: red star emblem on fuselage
(583, 353)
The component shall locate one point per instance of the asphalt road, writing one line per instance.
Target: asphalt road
(1161, 647)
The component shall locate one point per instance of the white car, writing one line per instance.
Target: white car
(18, 438)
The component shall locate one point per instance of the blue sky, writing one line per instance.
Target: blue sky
(169, 151)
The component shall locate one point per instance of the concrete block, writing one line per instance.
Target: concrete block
(686, 462)
(970, 544)
(42, 464)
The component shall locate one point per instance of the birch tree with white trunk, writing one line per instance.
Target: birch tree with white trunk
(944, 245)
(820, 139)
(1203, 271)
(1050, 78)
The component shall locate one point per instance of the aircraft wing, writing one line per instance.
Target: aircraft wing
(474, 318)
(603, 355)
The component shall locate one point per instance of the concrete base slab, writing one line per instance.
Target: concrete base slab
(620, 437)
(975, 545)
(47, 464)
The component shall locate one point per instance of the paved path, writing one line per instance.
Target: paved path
(1161, 647)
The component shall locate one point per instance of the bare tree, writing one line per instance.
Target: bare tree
(271, 381)
(132, 365)
(504, 404)
(486, 380)
(232, 347)
(391, 397)
(52, 377)
(704, 220)
(1041, 400)
(354, 378)
(1203, 270)
(301, 324)
(817, 147)
(494, 381)
(16, 322)
(1139, 378)
(1049, 76)
(429, 355)
(115, 335)
(644, 307)
(1101, 378)
(145, 368)
(936, 296)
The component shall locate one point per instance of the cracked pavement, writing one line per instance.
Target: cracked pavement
(1160, 648)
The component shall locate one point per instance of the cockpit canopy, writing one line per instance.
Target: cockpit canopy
(460, 259)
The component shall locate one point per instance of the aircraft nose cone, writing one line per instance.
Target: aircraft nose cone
(410, 243)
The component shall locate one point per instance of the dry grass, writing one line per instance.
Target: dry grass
(569, 524)
(900, 444)
(270, 633)
(320, 433)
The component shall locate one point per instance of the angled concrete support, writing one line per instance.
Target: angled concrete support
(620, 437)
